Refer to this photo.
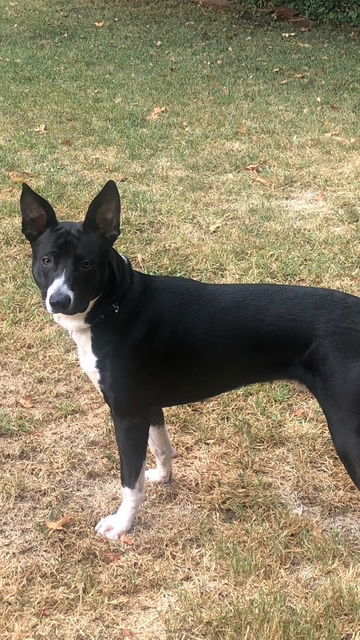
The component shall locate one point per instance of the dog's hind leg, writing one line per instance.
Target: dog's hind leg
(131, 436)
(342, 410)
(161, 448)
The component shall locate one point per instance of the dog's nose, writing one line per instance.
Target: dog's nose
(60, 302)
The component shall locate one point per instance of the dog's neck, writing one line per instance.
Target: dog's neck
(119, 281)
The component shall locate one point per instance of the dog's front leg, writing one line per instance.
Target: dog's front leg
(131, 437)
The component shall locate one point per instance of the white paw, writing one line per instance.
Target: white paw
(157, 475)
(111, 527)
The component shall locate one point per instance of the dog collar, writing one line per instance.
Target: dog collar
(104, 308)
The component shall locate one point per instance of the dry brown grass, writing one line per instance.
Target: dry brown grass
(257, 536)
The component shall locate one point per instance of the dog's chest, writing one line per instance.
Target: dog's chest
(81, 334)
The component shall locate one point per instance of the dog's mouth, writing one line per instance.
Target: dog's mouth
(63, 307)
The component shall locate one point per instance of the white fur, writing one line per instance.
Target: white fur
(113, 526)
(81, 334)
(160, 446)
(58, 285)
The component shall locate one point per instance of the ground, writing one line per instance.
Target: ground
(234, 144)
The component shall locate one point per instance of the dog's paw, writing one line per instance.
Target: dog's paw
(111, 527)
(157, 475)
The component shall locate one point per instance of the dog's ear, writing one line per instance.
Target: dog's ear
(103, 214)
(37, 213)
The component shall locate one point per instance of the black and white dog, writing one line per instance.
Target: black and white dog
(149, 342)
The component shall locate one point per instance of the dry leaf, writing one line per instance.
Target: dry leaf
(26, 402)
(284, 81)
(288, 35)
(109, 557)
(66, 142)
(156, 112)
(261, 180)
(59, 525)
(320, 196)
(300, 75)
(127, 539)
(15, 176)
(299, 412)
(127, 633)
(100, 24)
(253, 167)
(304, 44)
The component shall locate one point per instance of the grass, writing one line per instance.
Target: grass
(257, 536)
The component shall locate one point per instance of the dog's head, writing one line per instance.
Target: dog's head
(71, 260)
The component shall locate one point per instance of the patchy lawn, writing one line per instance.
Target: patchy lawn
(236, 152)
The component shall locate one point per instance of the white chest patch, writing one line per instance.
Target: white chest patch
(81, 334)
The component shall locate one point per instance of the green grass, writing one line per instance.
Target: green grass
(257, 535)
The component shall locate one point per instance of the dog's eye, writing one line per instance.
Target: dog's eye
(47, 261)
(86, 264)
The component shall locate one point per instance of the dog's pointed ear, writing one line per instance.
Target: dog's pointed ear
(103, 214)
(37, 213)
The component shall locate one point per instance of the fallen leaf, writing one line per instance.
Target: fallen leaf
(126, 539)
(299, 412)
(277, 69)
(284, 81)
(100, 24)
(26, 402)
(109, 557)
(156, 112)
(261, 180)
(253, 167)
(66, 142)
(304, 44)
(15, 176)
(127, 633)
(59, 525)
(288, 35)
(320, 196)
(300, 75)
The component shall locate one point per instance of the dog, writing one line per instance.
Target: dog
(149, 342)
